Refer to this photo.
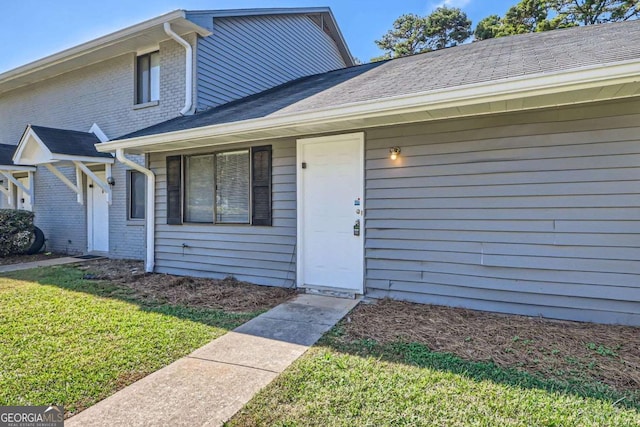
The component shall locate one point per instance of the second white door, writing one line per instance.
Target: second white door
(330, 212)
(97, 217)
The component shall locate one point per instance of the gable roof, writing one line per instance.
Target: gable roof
(535, 54)
(69, 142)
(43, 145)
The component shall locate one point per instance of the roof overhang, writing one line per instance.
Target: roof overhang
(589, 84)
(33, 151)
(139, 37)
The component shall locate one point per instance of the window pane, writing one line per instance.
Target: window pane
(154, 77)
(137, 195)
(199, 188)
(232, 185)
(143, 79)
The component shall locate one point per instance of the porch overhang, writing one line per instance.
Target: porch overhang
(33, 151)
(48, 147)
(546, 90)
(8, 172)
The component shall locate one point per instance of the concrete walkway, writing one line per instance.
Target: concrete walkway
(41, 263)
(210, 385)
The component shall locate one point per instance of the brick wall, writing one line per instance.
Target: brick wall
(101, 93)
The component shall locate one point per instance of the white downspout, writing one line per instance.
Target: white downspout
(150, 207)
(188, 93)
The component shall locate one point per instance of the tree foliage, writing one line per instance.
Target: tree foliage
(542, 15)
(589, 12)
(525, 17)
(447, 27)
(412, 34)
(407, 37)
(489, 28)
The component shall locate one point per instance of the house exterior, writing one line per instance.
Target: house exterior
(500, 175)
(54, 110)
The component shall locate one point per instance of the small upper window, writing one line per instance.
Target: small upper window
(148, 78)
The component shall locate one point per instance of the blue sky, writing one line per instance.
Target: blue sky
(31, 29)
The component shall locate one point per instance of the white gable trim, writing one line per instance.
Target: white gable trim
(95, 129)
(29, 139)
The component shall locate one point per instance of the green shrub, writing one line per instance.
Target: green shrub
(16, 229)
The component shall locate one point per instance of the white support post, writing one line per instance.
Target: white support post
(12, 193)
(32, 188)
(108, 174)
(79, 186)
(102, 184)
(75, 188)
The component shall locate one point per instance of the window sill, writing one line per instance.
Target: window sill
(146, 105)
(135, 222)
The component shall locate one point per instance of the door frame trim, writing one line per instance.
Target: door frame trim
(360, 137)
(89, 215)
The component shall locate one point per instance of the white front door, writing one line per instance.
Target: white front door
(24, 200)
(97, 216)
(330, 212)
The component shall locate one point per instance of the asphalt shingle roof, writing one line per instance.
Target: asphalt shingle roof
(484, 61)
(6, 154)
(69, 142)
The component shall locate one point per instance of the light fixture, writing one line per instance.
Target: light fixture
(111, 181)
(393, 152)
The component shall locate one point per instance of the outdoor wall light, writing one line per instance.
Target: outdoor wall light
(394, 152)
(111, 181)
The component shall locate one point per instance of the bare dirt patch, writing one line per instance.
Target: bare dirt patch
(19, 259)
(605, 353)
(228, 294)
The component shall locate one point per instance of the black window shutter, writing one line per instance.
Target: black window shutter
(261, 185)
(174, 190)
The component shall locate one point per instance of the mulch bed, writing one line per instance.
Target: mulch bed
(227, 294)
(18, 259)
(606, 353)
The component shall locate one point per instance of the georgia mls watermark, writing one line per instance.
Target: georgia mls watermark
(31, 416)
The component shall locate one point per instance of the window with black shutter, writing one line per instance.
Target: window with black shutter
(230, 187)
(261, 185)
(174, 190)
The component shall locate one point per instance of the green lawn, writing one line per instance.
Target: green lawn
(69, 341)
(363, 383)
